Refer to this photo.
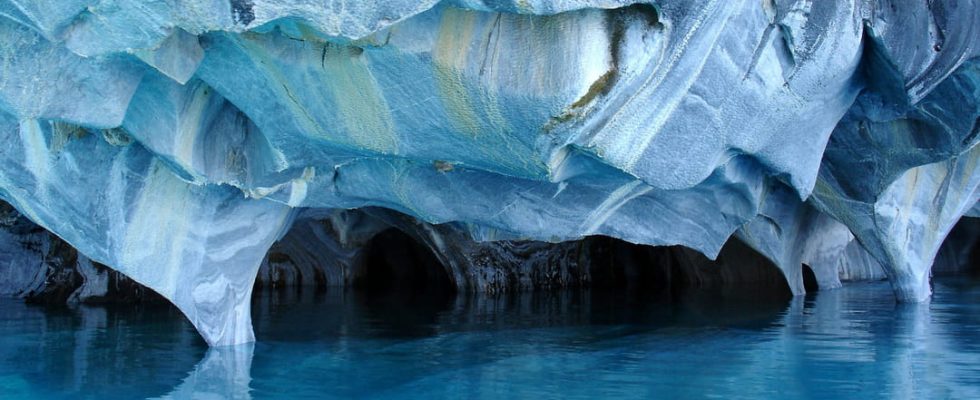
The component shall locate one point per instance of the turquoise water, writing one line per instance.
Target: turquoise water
(853, 342)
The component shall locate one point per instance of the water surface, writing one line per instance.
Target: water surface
(853, 342)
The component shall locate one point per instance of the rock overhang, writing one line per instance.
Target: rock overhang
(175, 141)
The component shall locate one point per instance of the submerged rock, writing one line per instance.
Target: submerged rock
(177, 142)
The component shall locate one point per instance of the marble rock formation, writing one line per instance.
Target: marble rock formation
(176, 141)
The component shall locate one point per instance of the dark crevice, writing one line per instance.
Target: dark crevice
(670, 272)
(394, 262)
(809, 280)
(974, 257)
(241, 11)
(398, 261)
(960, 252)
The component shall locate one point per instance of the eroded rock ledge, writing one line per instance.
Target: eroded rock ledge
(177, 141)
(381, 252)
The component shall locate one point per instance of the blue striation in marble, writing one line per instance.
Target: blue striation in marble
(176, 141)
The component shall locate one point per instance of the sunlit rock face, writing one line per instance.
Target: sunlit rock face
(176, 141)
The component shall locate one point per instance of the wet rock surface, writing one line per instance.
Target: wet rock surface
(197, 147)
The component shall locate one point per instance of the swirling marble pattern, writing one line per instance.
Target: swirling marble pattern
(176, 140)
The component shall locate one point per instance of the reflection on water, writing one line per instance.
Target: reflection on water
(852, 342)
(103, 352)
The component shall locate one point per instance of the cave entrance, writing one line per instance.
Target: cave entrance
(620, 266)
(960, 250)
(394, 262)
(810, 280)
(675, 270)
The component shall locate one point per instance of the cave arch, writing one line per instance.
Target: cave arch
(673, 270)
(959, 252)
(393, 261)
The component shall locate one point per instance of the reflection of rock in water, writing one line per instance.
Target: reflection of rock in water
(405, 273)
(102, 351)
(349, 344)
(815, 345)
(224, 373)
(401, 314)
